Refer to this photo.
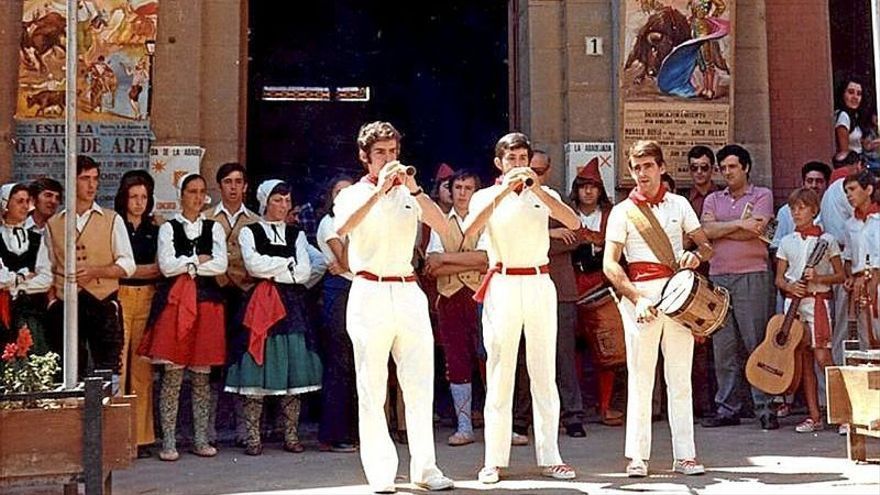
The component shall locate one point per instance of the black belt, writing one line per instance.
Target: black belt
(138, 282)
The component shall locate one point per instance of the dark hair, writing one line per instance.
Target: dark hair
(850, 158)
(513, 141)
(130, 179)
(864, 178)
(745, 159)
(228, 168)
(668, 178)
(643, 148)
(282, 188)
(85, 163)
(18, 188)
(603, 203)
(700, 151)
(44, 184)
(465, 174)
(858, 116)
(816, 166)
(328, 194)
(189, 178)
(373, 132)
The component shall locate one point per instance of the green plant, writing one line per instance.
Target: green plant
(25, 373)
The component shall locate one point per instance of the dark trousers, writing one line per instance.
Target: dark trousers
(339, 418)
(100, 332)
(459, 334)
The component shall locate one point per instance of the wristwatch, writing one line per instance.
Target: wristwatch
(417, 192)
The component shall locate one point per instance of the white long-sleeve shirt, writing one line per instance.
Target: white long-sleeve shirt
(172, 265)
(120, 245)
(18, 242)
(275, 267)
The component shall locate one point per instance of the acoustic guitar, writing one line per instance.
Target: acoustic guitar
(774, 367)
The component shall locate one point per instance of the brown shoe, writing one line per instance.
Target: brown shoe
(612, 417)
(204, 451)
(295, 447)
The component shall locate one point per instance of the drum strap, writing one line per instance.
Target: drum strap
(649, 227)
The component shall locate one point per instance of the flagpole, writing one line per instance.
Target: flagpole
(71, 337)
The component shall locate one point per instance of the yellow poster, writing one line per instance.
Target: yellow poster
(676, 82)
(115, 41)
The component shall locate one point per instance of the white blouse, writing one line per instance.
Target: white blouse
(17, 242)
(275, 268)
(172, 265)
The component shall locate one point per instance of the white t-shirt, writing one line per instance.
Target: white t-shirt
(795, 249)
(518, 234)
(593, 222)
(835, 211)
(383, 242)
(675, 214)
(862, 242)
(855, 132)
(326, 232)
(785, 225)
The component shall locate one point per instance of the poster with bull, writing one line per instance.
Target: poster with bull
(113, 64)
(676, 83)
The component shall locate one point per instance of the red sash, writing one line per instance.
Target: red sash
(182, 301)
(5, 311)
(821, 329)
(642, 271)
(378, 278)
(499, 268)
(263, 311)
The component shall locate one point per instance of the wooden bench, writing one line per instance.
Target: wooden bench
(853, 397)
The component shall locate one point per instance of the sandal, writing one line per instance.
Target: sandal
(612, 417)
(559, 472)
(204, 451)
(169, 455)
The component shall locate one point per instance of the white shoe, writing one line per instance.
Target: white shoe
(637, 468)
(387, 489)
(436, 483)
(489, 475)
(518, 440)
(688, 467)
(559, 472)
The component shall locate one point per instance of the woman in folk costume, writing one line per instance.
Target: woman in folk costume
(592, 206)
(134, 203)
(186, 326)
(275, 350)
(25, 272)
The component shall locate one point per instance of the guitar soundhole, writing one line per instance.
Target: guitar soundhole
(781, 339)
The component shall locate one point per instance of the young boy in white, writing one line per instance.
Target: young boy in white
(815, 306)
(387, 311)
(645, 330)
(861, 253)
(519, 297)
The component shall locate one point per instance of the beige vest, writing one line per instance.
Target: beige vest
(94, 247)
(455, 242)
(235, 272)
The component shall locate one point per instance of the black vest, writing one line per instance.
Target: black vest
(27, 259)
(203, 244)
(266, 248)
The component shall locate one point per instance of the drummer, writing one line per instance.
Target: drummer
(592, 206)
(640, 286)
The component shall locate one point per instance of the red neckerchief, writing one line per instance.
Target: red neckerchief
(369, 179)
(638, 198)
(810, 231)
(872, 208)
(841, 173)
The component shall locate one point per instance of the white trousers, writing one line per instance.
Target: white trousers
(642, 342)
(515, 304)
(383, 318)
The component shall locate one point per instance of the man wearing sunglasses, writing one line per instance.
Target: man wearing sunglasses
(701, 163)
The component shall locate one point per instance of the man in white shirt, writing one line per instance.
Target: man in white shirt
(387, 311)
(639, 288)
(519, 297)
(46, 196)
(814, 175)
(103, 256)
(861, 255)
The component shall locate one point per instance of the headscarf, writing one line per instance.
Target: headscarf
(183, 180)
(264, 191)
(5, 191)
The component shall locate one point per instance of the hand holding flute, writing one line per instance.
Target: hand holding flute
(395, 173)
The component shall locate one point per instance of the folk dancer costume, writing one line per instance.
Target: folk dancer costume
(518, 298)
(274, 351)
(25, 276)
(676, 216)
(862, 252)
(338, 424)
(388, 313)
(458, 327)
(186, 325)
(587, 261)
(101, 240)
(135, 299)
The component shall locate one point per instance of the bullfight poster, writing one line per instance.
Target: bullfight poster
(579, 155)
(676, 82)
(117, 146)
(169, 164)
(115, 40)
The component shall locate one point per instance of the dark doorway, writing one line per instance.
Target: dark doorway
(437, 70)
(851, 41)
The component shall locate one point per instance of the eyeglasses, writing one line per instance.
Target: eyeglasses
(701, 168)
(540, 171)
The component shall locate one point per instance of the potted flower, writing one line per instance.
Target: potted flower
(23, 373)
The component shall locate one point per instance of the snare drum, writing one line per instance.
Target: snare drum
(603, 328)
(694, 302)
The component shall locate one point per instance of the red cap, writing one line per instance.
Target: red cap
(590, 172)
(444, 171)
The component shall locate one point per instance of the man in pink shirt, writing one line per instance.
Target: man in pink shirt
(734, 219)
